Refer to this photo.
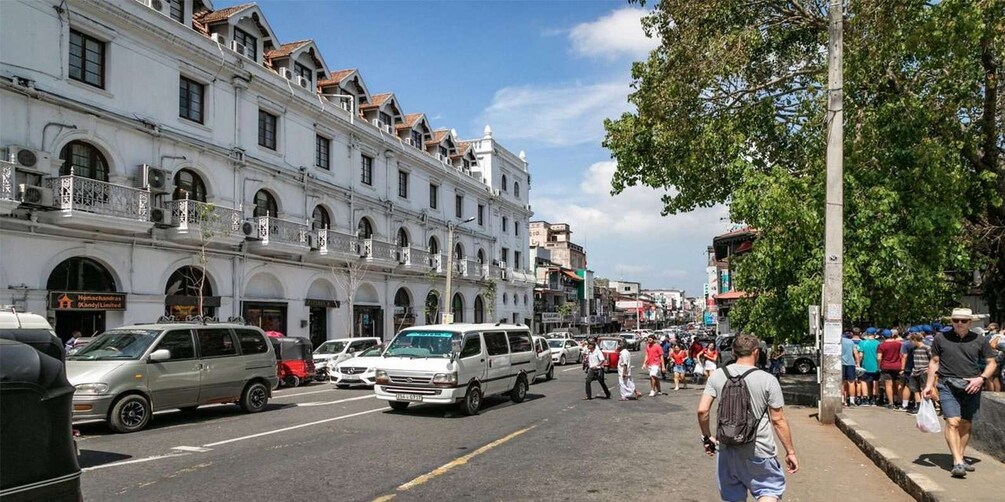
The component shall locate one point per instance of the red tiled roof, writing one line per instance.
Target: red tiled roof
(438, 136)
(409, 121)
(337, 77)
(730, 295)
(463, 147)
(286, 49)
(216, 16)
(737, 232)
(377, 100)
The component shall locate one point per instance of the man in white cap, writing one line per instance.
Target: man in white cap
(955, 356)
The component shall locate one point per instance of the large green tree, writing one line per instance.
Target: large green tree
(731, 108)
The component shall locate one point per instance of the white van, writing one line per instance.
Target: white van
(456, 363)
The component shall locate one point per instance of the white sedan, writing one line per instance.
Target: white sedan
(564, 351)
(358, 370)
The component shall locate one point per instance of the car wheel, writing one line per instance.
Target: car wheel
(561, 360)
(472, 401)
(291, 381)
(399, 405)
(551, 373)
(254, 398)
(305, 382)
(804, 366)
(130, 414)
(519, 392)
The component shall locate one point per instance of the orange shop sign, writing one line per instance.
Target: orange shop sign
(86, 300)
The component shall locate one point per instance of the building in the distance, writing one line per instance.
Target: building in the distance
(557, 238)
(172, 159)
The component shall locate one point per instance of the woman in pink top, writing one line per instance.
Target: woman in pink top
(711, 356)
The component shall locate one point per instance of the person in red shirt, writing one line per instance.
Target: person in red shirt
(890, 366)
(655, 365)
(711, 357)
(678, 355)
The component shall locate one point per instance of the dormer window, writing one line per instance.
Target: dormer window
(249, 42)
(385, 119)
(443, 151)
(417, 139)
(303, 71)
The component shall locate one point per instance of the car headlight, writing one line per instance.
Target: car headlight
(445, 379)
(92, 388)
(381, 377)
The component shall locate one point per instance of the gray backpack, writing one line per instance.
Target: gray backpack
(736, 423)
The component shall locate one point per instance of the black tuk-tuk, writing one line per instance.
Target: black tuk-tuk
(294, 360)
(38, 457)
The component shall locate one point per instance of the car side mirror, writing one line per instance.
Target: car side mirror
(160, 355)
(351, 350)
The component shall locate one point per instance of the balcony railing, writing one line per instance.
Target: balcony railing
(380, 250)
(460, 267)
(330, 241)
(474, 268)
(277, 231)
(217, 220)
(76, 193)
(418, 257)
(6, 181)
(436, 262)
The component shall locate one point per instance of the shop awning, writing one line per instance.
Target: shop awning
(572, 275)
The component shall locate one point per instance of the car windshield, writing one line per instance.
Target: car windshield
(371, 352)
(330, 348)
(556, 343)
(422, 344)
(117, 344)
(608, 344)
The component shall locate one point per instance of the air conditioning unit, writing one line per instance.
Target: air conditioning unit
(31, 195)
(409, 142)
(386, 128)
(218, 38)
(162, 6)
(303, 82)
(248, 52)
(286, 73)
(154, 179)
(159, 216)
(28, 159)
(503, 274)
(250, 230)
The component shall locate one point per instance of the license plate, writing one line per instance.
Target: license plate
(409, 397)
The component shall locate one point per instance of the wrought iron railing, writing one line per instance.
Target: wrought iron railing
(474, 268)
(460, 267)
(498, 273)
(279, 231)
(6, 180)
(330, 241)
(380, 250)
(418, 257)
(76, 193)
(436, 262)
(218, 220)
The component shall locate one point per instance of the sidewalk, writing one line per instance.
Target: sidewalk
(917, 461)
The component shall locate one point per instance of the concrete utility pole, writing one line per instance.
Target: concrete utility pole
(448, 302)
(830, 368)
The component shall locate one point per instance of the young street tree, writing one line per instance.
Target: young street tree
(730, 109)
(348, 278)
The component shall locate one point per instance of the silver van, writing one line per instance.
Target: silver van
(126, 374)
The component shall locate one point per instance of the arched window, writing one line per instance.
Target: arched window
(85, 160)
(504, 187)
(481, 256)
(364, 230)
(457, 307)
(80, 274)
(320, 218)
(183, 291)
(187, 182)
(479, 309)
(403, 300)
(402, 239)
(516, 189)
(505, 299)
(458, 251)
(434, 246)
(432, 307)
(265, 204)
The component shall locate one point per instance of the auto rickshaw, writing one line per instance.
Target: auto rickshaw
(294, 360)
(609, 346)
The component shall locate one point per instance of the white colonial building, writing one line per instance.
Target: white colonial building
(161, 156)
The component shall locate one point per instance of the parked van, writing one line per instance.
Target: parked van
(456, 363)
(128, 373)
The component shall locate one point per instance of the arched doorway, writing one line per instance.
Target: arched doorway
(186, 289)
(403, 316)
(368, 316)
(189, 185)
(364, 230)
(319, 302)
(265, 205)
(434, 252)
(320, 219)
(457, 307)
(72, 286)
(83, 159)
(432, 307)
(479, 309)
(263, 305)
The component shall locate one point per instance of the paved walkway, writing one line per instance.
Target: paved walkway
(918, 461)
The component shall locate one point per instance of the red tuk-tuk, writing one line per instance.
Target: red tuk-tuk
(294, 360)
(609, 346)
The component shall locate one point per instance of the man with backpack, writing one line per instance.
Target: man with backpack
(749, 400)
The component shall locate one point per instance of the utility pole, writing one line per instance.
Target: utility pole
(448, 302)
(830, 368)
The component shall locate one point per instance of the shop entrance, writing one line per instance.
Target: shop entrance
(318, 325)
(87, 323)
(369, 321)
(270, 316)
(81, 291)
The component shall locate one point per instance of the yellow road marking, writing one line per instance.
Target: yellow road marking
(443, 469)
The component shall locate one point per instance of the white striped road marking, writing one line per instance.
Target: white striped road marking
(284, 429)
(325, 403)
(137, 461)
(573, 368)
(193, 449)
(278, 396)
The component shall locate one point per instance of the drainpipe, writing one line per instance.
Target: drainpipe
(45, 128)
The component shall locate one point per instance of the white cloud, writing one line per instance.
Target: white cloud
(559, 115)
(614, 35)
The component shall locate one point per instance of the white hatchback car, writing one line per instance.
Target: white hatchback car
(329, 354)
(543, 365)
(565, 351)
(357, 370)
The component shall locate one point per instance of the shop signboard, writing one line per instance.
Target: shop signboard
(86, 300)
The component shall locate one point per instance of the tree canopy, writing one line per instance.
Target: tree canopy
(731, 108)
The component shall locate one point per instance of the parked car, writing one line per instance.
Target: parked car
(561, 334)
(565, 351)
(79, 344)
(330, 353)
(294, 361)
(801, 359)
(358, 370)
(632, 341)
(609, 346)
(456, 363)
(38, 456)
(544, 367)
(128, 373)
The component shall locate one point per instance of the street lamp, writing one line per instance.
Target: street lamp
(448, 317)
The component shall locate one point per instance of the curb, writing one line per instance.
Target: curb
(800, 399)
(916, 485)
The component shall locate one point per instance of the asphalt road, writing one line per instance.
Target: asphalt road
(322, 443)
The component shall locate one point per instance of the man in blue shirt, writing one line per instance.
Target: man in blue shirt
(850, 357)
(870, 363)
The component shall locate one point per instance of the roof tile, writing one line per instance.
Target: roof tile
(286, 49)
(337, 77)
(216, 16)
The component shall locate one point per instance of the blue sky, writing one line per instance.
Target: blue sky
(544, 75)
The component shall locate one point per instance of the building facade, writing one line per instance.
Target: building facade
(557, 239)
(184, 161)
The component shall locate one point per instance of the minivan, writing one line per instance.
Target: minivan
(456, 363)
(126, 374)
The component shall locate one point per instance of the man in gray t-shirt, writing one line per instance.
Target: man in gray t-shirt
(750, 468)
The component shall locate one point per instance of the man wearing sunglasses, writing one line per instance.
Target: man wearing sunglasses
(955, 356)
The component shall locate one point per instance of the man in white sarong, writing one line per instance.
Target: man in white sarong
(625, 382)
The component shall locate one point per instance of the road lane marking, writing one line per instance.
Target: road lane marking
(193, 449)
(277, 396)
(570, 369)
(325, 403)
(443, 469)
(293, 427)
(137, 461)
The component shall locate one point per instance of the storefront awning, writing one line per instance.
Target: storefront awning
(571, 275)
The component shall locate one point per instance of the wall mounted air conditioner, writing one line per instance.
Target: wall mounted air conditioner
(155, 179)
(159, 216)
(250, 230)
(29, 159)
(32, 195)
(303, 82)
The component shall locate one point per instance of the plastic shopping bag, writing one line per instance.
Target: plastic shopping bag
(928, 420)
